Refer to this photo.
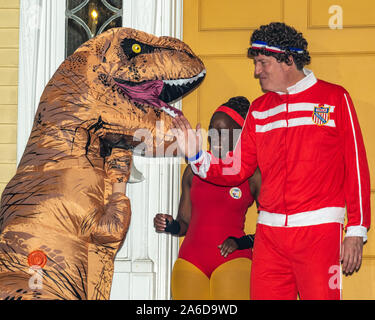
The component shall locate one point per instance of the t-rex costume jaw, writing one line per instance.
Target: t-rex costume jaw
(60, 224)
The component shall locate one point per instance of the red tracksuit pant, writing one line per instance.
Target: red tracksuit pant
(297, 260)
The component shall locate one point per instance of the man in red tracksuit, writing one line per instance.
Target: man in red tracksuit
(304, 135)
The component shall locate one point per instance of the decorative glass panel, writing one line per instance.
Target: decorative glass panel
(87, 18)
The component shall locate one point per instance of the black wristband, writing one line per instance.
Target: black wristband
(172, 227)
(245, 242)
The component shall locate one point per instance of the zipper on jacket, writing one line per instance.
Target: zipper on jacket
(286, 155)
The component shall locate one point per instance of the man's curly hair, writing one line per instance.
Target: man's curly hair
(280, 35)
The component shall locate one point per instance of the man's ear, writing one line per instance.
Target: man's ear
(290, 64)
(290, 61)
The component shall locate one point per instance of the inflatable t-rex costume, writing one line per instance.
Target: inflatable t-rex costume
(60, 223)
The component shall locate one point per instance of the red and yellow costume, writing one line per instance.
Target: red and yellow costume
(217, 213)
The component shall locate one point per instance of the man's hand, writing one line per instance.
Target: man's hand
(227, 247)
(351, 254)
(189, 141)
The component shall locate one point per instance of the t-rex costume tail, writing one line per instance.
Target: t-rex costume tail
(60, 224)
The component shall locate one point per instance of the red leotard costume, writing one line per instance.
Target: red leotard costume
(217, 213)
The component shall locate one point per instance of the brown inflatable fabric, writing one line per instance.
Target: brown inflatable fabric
(60, 224)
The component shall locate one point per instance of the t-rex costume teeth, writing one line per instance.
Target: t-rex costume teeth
(60, 224)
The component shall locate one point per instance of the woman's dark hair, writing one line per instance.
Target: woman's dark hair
(239, 104)
(284, 37)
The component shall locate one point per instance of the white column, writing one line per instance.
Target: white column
(144, 264)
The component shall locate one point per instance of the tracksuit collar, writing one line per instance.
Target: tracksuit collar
(307, 82)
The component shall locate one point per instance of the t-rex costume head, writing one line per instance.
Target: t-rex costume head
(60, 224)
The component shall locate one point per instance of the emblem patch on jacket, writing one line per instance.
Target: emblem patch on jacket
(321, 115)
(235, 193)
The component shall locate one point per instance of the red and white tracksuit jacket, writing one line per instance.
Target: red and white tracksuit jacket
(309, 148)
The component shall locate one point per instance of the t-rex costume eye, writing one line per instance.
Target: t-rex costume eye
(132, 48)
(58, 212)
(136, 48)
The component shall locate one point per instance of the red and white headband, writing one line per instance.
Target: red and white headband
(233, 114)
(263, 45)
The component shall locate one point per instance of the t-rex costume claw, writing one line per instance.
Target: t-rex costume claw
(60, 223)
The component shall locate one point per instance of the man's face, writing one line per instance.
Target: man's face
(272, 74)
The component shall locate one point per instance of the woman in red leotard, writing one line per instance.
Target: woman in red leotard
(214, 260)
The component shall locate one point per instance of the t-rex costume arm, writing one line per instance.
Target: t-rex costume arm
(59, 219)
